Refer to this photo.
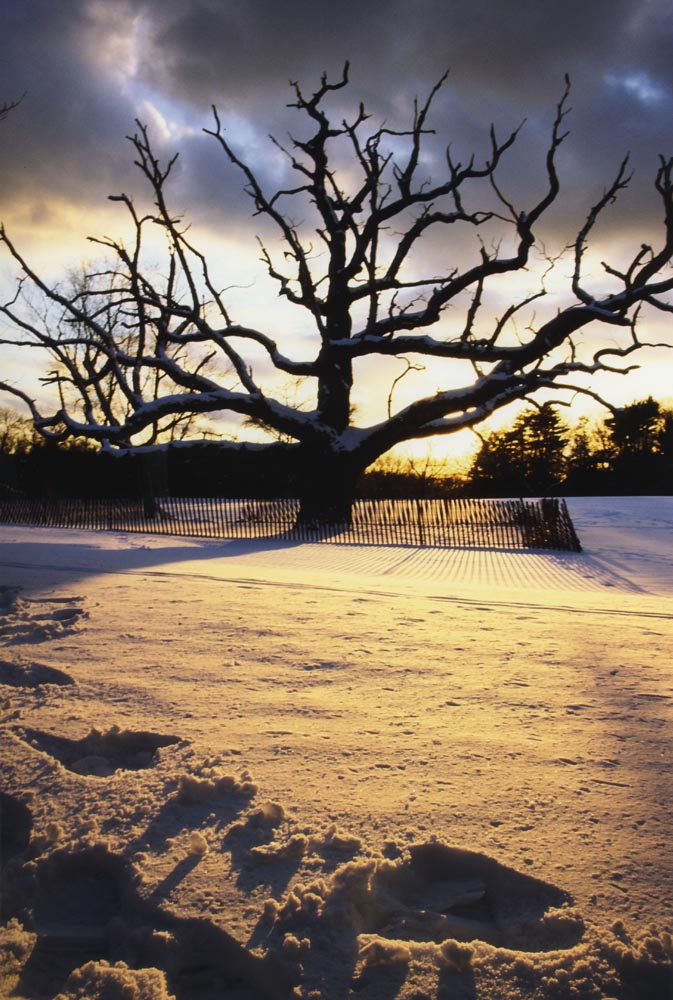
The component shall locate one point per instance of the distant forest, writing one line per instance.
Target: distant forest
(540, 454)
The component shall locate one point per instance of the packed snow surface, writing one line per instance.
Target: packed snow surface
(271, 770)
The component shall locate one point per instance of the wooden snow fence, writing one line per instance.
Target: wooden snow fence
(438, 523)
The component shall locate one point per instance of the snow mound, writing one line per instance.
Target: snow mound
(102, 981)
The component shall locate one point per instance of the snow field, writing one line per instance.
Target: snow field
(251, 770)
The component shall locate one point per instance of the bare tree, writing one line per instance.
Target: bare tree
(367, 293)
(16, 432)
(9, 106)
(80, 354)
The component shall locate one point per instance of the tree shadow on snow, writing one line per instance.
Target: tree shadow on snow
(79, 561)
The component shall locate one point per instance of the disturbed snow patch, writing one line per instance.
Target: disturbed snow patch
(85, 908)
(434, 893)
(33, 620)
(15, 827)
(101, 753)
(446, 922)
(31, 675)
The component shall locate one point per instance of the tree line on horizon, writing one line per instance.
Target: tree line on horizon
(629, 451)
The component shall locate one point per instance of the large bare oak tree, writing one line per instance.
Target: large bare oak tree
(139, 351)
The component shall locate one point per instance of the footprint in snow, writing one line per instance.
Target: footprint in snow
(100, 754)
(16, 824)
(436, 893)
(36, 620)
(31, 675)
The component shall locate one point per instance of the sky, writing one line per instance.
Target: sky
(88, 68)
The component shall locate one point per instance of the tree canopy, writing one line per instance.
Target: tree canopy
(140, 350)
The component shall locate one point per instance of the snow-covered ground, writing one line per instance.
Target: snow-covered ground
(246, 769)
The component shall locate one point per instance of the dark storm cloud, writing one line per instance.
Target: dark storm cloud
(85, 81)
(65, 137)
(512, 48)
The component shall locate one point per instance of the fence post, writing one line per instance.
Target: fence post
(419, 519)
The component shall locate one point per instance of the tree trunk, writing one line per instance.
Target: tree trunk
(153, 481)
(327, 488)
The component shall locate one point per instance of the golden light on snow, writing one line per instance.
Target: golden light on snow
(442, 765)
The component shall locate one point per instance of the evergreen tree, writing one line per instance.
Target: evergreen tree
(527, 459)
(640, 453)
(545, 437)
(585, 460)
